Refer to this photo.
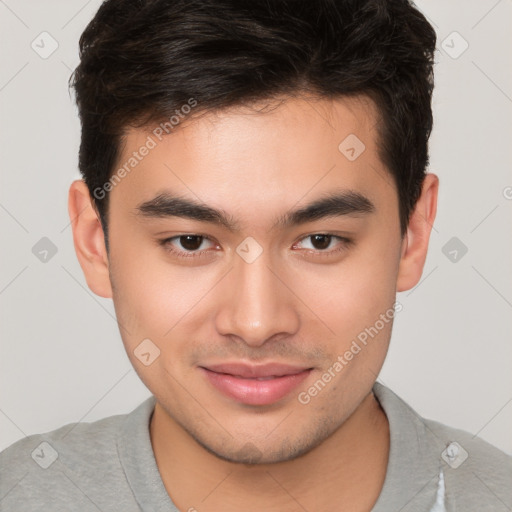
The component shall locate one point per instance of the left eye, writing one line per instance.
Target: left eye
(320, 242)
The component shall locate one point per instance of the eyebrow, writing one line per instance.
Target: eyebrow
(338, 204)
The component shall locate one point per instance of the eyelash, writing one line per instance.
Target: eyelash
(346, 242)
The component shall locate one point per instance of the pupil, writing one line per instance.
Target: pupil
(321, 241)
(191, 242)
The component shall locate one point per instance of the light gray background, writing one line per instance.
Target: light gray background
(62, 358)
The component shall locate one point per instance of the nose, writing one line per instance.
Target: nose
(255, 304)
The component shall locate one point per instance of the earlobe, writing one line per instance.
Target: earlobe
(415, 242)
(88, 239)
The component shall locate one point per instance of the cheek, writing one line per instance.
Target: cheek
(148, 299)
(352, 295)
(155, 299)
(152, 302)
(355, 301)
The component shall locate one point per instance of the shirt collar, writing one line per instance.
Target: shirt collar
(138, 460)
(413, 477)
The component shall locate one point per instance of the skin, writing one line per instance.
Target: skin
(294, 304)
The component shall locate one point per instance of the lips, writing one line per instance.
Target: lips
(255, 384)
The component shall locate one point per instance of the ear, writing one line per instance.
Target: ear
(415, 241)
(88, 239)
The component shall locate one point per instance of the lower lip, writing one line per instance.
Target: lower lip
(252, 391)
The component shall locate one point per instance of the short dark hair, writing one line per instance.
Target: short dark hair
(142, 60)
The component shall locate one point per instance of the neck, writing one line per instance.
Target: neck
(348, 468)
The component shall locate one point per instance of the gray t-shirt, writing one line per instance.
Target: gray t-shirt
(109, 466)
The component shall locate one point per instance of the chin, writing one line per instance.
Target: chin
(256, 453)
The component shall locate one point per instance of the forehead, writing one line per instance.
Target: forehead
(268, 155)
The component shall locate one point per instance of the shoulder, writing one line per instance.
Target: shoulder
(476, 474)
(72, 466)
(473, 468)
(73, 439)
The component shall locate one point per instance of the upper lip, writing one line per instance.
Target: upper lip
(256, 371)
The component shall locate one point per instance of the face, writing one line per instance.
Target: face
(246, 318)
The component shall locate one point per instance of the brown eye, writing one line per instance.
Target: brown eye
(324, 244)
(191, 242)
(188, 245)
(321, 242)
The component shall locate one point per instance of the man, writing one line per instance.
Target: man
(254, 196)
